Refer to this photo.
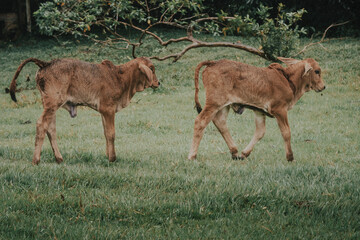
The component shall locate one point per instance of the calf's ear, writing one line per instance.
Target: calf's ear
(307, 68)
(146, 70)
(288, 61)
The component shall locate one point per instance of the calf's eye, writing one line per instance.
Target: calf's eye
(317, 71)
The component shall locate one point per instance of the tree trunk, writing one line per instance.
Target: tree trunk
(28, 16)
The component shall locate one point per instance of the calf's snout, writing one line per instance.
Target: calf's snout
(155, 84)
(321, 89)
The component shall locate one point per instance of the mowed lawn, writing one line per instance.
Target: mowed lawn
(152, 191)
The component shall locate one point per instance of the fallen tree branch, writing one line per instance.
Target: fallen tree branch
(195, 43)
(322, 38)
(198, 44)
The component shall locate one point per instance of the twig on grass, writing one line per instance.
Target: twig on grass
(266, 228)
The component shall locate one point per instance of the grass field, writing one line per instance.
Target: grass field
(152, 191)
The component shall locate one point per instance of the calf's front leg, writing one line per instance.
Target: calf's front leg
(283, 123)
(108, 119)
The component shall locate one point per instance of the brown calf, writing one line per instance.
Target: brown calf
(104, 87)
(270, 91)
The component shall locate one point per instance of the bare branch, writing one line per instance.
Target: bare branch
(173, 24)
(162, 16)
(191, 17)
(133, 51)
(155, 8)
(333, 25)
(147, 7)
(191, 26)
(322, 38)
(172, 16)
(212, 18)
(159, 39)
(197, 44)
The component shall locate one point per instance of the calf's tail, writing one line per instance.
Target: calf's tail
(12, 88)
(197, 70)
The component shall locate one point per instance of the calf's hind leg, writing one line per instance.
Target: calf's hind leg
(220, 123)
(201, 121)
(42, 126)
(258, 135)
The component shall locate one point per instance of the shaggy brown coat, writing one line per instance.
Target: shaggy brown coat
(270, 91)
(104, 87)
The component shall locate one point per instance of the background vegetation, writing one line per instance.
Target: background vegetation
(109, 22)
(320, 15)
(152, 191)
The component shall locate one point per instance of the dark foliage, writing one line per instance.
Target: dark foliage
(321, 13)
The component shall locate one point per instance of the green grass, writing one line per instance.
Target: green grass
(152, 191)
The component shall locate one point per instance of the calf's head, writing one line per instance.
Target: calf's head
(311, 72)
(147, 76)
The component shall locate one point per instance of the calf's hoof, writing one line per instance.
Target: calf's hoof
(290, 157)
(244, 155)
(112, 159)
(190, 157)
(35, 162)
(59, 160)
